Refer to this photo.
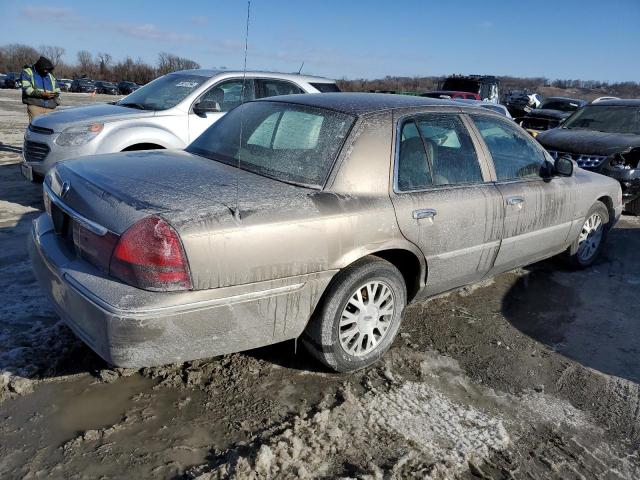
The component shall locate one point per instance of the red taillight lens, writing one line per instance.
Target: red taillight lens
(149, 255)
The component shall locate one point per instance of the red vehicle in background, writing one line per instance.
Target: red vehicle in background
(447, 94)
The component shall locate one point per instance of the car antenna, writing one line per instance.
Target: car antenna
(300, 69)
(236, 213)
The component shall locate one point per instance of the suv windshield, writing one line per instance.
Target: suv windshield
(164, 92)
(606, 118)
(461, 85)
(562, 105)
(291, 143)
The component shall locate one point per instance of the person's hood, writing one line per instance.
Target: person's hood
(589, 142)
(43, 64)
(58, 120)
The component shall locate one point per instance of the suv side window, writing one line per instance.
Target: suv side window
(514, 154)
(436, 150)
(273, 88)
(228, 93)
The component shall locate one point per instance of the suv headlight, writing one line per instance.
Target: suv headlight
(75, 136)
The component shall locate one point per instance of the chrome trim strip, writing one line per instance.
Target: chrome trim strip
(183, 308)
(85, 222)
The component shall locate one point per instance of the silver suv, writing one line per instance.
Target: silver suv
(169, 112)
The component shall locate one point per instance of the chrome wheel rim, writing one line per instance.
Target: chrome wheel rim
(366, 318)
(590, 237)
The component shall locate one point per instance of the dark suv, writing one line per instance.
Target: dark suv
(126, 88)
(82, 85)
(107, 87)
(11, 80)
(603, 137)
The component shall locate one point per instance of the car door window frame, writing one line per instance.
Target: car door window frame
(217, 84)
(487, 174)
(487, 153)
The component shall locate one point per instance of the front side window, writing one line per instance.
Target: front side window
(514, 154)
(436, 150)
(291, 143)
(229, 94)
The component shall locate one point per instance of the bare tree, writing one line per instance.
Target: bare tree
(16, 56)
(104, 61)
(53, 53)
(168, 62)
(85, 62)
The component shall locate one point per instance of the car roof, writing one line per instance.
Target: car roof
(233, 73)
(620, 102)
(360, 103)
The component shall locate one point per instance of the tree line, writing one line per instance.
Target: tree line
(101, 66)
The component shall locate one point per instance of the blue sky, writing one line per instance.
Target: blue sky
(586, 39)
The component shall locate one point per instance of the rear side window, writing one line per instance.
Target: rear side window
(514, 154)
(274, 88)
(436, 150)
(325, 87)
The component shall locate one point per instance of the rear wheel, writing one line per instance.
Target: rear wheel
(586, 248)
(359, 317)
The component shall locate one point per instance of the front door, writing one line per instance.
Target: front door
(444, 200)
(538, 208)
(227, 94)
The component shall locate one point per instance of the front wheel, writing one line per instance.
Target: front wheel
(359, 317)
(586, 248)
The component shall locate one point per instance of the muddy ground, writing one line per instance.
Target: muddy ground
(531, 375)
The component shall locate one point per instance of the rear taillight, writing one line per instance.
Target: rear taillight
(149, 255)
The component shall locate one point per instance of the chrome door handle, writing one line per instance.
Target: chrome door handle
(515, 200)
(424, 213)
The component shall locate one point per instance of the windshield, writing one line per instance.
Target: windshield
(291, 143)
(606, 118)
(164, 92)
(562, 105)
(461, 85)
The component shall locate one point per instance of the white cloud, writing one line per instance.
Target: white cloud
(200, 20)
(149, 31)
(43, 12)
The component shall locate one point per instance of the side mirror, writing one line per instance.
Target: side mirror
(564, 166)
(206, 106)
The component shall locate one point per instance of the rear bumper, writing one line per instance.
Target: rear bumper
(134, 328)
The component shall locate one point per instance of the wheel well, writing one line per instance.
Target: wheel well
(143, 146)
(609, 204)
(409, 266)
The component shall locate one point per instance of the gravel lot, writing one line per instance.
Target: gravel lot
(531, 375)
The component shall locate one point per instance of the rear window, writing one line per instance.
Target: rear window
(325, 87)
(291, 143)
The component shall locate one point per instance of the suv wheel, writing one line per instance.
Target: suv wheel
(359, 317)
(585, 249)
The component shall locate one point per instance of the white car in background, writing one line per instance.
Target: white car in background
(169, 112)
(496, 107)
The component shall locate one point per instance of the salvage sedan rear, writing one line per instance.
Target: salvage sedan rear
(311, 216)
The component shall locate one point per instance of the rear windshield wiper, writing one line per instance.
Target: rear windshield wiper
(139, 106)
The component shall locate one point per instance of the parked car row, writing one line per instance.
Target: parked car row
(78, 85)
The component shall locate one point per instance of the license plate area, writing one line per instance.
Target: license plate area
(61, 221)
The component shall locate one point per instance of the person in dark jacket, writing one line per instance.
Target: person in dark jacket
(39, 90)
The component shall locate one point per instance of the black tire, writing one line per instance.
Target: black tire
(321, 336)
(633, 207)
(576, 259)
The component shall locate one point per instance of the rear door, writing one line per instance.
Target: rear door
(444, 199)
(227, 94)
(538, 209)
